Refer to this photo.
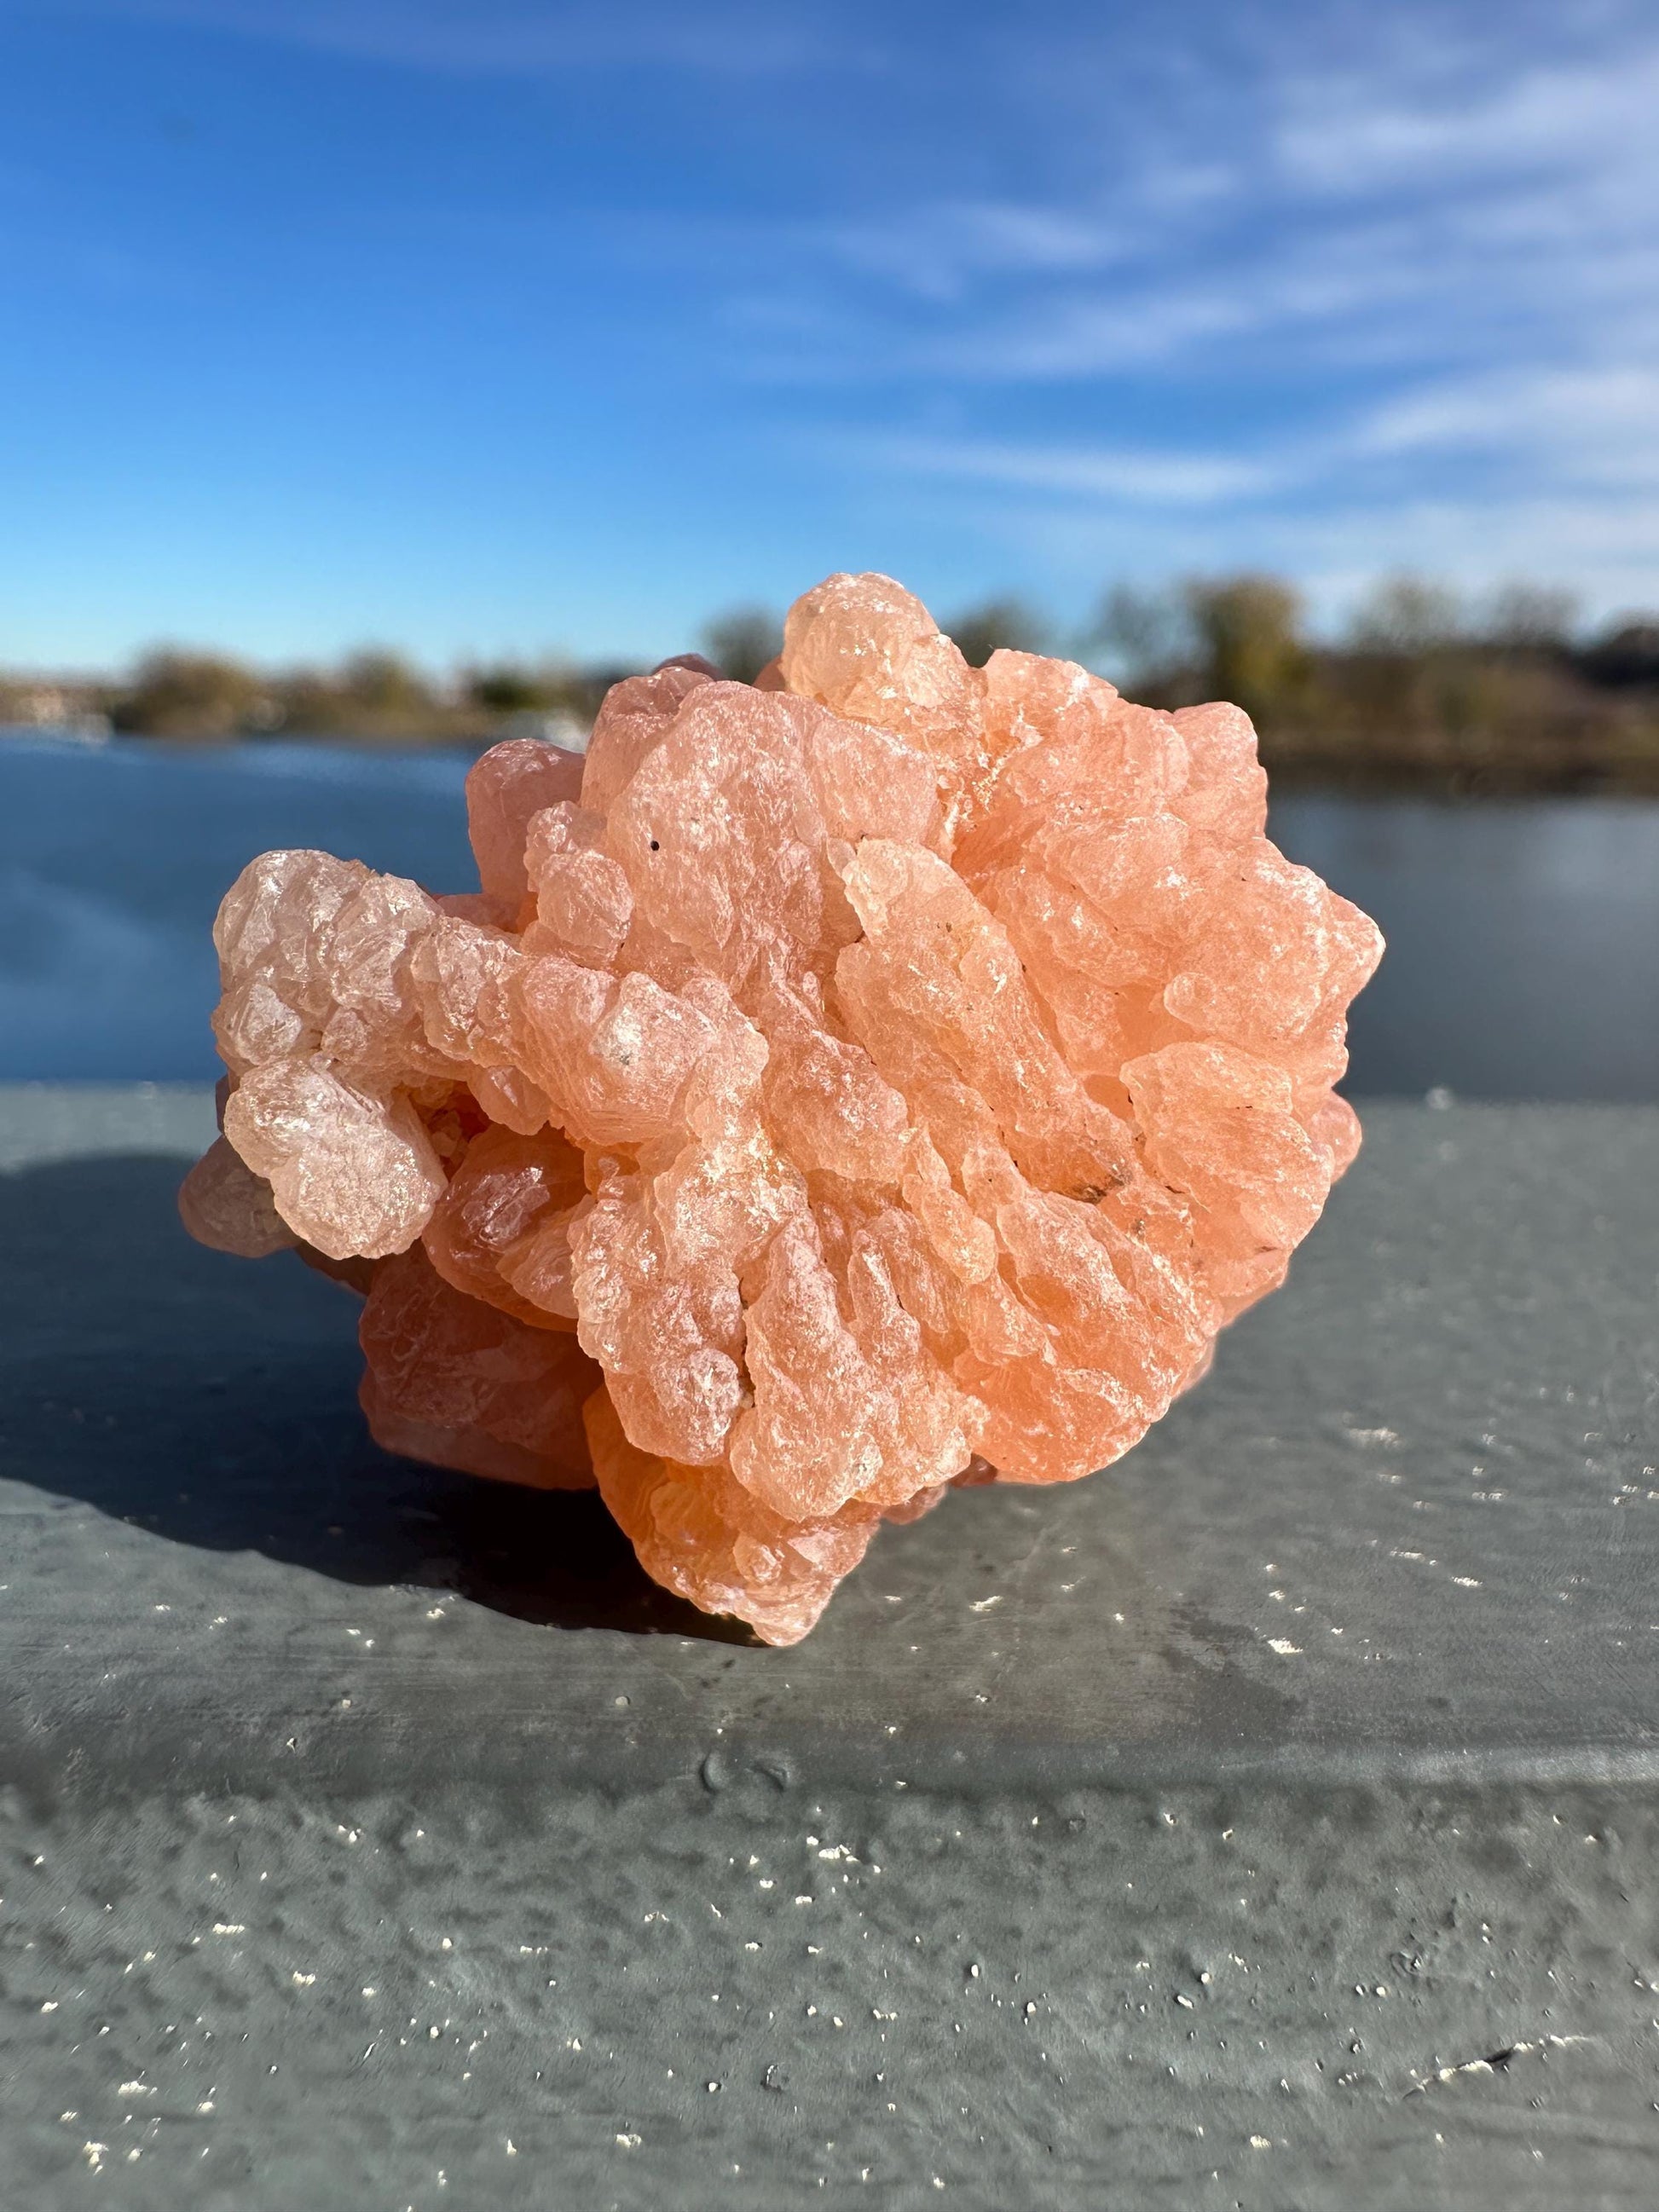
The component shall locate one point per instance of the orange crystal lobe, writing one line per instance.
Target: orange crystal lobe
(891, 1074)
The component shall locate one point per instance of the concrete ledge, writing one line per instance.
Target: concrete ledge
(1310, 1752)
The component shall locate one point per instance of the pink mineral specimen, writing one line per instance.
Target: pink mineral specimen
(888, 1075)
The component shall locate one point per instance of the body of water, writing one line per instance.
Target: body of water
(1523, 957)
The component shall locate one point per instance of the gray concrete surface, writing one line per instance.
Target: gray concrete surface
(1270, 1822)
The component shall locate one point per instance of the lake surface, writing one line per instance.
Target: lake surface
(1523, 957)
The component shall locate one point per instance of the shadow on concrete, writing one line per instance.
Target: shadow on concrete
(213, 1401)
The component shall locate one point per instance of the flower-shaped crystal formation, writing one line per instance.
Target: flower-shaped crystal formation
(890, 1074)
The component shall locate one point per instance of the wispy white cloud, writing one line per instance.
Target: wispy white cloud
(1579, 426)
(1348, 135)
(1605, 549)
(936, 250)
(1598, 424)
(1413, 322)
(1126, 476)
(1523, 210)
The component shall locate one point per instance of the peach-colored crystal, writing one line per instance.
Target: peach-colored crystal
(888, 1075)
(456, 1381)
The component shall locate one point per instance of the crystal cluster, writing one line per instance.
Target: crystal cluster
(887, 1075)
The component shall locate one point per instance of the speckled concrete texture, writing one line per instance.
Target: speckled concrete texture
(1271, 1822)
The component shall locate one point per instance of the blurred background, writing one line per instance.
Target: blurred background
(381, 377)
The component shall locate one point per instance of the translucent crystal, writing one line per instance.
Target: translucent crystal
(888, 1075)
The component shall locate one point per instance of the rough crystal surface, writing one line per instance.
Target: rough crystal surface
(888, 1075)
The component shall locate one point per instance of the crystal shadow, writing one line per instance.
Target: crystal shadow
(214, 1404)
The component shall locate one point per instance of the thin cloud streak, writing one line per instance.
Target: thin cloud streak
(1127, 477)
(1341, 140)
(1601, 421)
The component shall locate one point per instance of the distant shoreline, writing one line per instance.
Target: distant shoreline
(1423, 697)
(1299, 767)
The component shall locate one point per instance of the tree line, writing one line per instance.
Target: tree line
(1423, 689)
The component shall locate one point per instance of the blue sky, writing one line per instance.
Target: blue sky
(499, 327)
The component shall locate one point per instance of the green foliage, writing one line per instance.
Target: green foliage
(1425, 691)
(1210, 637)
(998, 626)
(510, 689)
(175, 693)
(741, 641)
(1248, 633)
(383, 685)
